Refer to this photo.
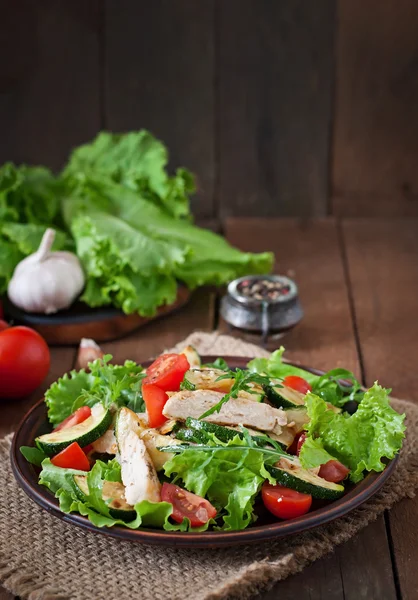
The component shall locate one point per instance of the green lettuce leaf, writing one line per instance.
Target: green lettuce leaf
(275, 367)
(230, 479)
(118, 385)
(360, 441)
(148, 514)
(136, 160)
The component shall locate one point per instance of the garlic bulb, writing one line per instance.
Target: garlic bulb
(46, 281)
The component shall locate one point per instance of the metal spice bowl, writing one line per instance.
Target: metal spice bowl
(267, 305)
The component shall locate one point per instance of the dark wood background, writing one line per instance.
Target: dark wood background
(281, 107)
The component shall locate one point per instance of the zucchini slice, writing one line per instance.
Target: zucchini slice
(199, 431)
(295, 477)
(283, 397)
(84, 433)
(113, 493)
(192, 356)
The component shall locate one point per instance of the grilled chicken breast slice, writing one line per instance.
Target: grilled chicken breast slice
(237, 411)
(137, 469)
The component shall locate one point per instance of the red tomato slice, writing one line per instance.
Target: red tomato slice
(168, 371)
(185, 504)
(72, 457)
(283, 502)
(80, 415)
(155, 399)
(3, 325)
(297, 383)
(333, 471)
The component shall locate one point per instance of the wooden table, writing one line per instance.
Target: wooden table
(358, 283)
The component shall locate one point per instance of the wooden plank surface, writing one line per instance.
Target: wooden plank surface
(49, 87)
(159, 75)
(375, 128)
(382, 259)
(275, 68)
(311, 253)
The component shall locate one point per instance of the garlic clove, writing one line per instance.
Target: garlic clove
(88, 351)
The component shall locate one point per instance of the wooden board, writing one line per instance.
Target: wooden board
(311, 253)
(159, 75)
(382, 259)
(376, 128)
(67, 327)
(275, 94)
(49, 100)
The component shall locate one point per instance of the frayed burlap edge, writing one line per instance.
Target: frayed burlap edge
(303, 549)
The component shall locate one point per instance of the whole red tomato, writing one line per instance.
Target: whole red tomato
(24, 361)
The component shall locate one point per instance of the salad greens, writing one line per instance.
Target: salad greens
(117, 385)
(226, 466)
(360, 441)
(127, 219)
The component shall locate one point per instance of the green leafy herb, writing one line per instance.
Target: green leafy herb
(275, 367)
(242, 382)
(219, 363)
(187, 385)
(33, 455)
(330, 388)
(360, 441)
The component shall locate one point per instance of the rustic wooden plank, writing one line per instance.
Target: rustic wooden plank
(375, 129)
(382, 260)
(62, 360)
(152, 339)
(159, 76)
(49, 91)
(310, 252)
(275, 94)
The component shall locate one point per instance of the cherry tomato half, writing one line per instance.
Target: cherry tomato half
(155, 399)
(185, 504)
(333, 471)
(297, 383)
(167, 371)
(283, 502)
(24, 361)
(72, 457)
(80, 415)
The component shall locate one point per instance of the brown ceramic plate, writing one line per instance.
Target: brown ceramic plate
(35, 423)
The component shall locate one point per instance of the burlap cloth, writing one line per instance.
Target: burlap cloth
(43, 558)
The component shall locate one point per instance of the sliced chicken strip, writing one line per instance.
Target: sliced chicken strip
(236, 411)
(137, 469)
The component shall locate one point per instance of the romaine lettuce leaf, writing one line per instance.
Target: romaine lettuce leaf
(360, 441)
(230, 479)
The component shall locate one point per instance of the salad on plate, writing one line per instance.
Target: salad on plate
(186, 446)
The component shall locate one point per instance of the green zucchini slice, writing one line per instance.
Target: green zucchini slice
(113, 493)
(84, 433)
(301, 480)
(283, 397)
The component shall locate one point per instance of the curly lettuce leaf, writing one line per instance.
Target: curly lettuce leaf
(110, 384)
(274, 366)
(148, 514)
(230, 479)
(28, 236)
(136, 160)
(360, 441)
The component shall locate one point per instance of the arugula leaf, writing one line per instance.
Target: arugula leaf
(330, 388)
(187, 385)
(242, 381)
(229, 475)
(360, 441)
